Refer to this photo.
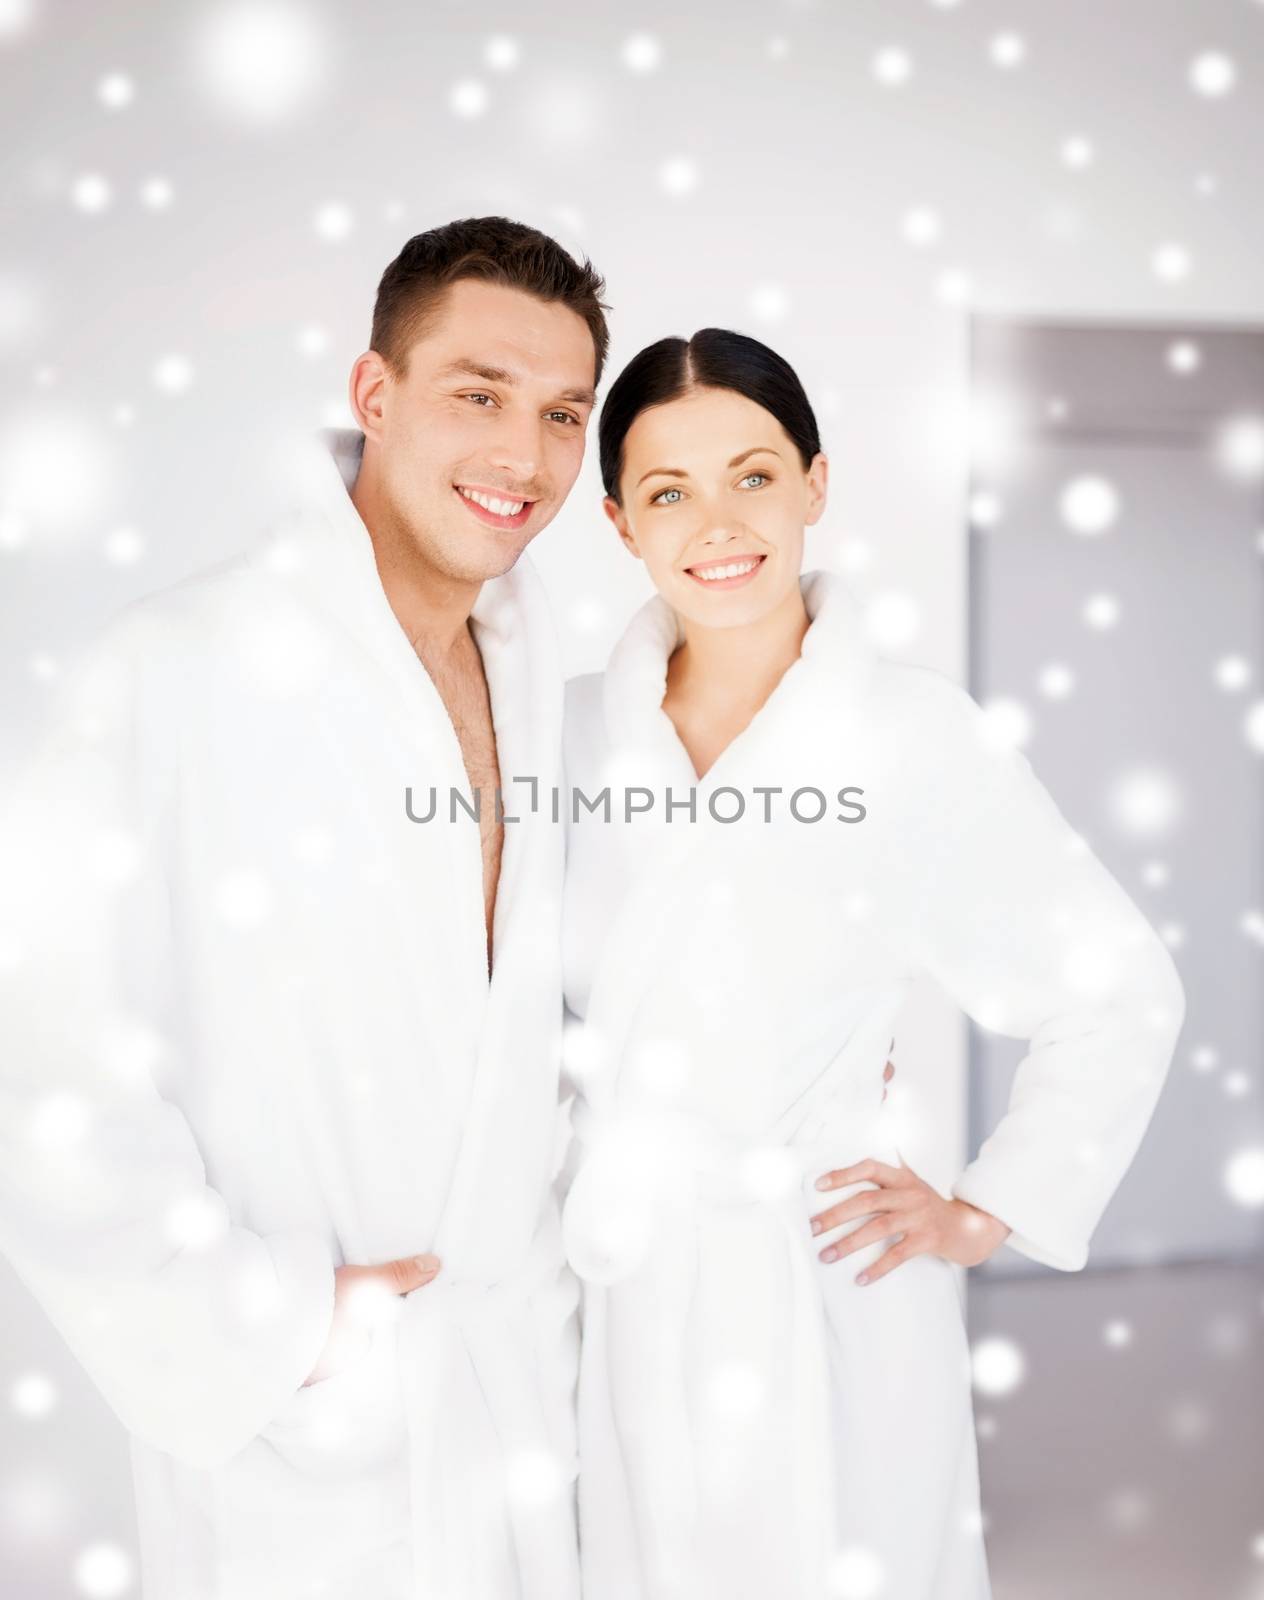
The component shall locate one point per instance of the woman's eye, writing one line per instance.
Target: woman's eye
(761, 475)
(658, 498)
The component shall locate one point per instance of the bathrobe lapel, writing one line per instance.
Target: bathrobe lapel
(808, 713)
(324, 548)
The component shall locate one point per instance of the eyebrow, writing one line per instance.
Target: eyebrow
(679, 472)
(480, 369)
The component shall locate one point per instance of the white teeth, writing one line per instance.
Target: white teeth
(499, 508)
(735, 569)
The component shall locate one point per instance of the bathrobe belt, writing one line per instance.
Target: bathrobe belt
(448, 1327)
(640, 1178)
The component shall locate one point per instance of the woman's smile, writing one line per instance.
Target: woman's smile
(728, 574)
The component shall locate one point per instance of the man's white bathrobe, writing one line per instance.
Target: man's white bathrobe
(249, 1035)
(751, 1422)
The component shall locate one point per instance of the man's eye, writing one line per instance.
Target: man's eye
(658, 498)
(486, 397)
(565, 416)
(761, 475)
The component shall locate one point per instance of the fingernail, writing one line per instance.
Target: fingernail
(863, 1278)
(816, 1225)
(822, 1183)
(426, 1263)
(829, 1255)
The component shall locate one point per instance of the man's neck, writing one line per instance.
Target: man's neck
(432, 607)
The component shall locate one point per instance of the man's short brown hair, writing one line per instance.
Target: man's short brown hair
(496, 250)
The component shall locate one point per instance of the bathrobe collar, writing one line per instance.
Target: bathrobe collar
(326, 543)
(832, 669)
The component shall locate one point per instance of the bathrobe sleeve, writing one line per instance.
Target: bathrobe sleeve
(195, 1330)
(1022, 924)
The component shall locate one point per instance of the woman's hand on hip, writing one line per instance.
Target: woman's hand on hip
(905, 1205)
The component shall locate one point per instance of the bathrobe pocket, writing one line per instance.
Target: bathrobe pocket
(348, 1423)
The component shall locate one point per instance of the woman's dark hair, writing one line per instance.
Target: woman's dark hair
(715, 358)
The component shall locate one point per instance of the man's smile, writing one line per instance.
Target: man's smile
(496, 510)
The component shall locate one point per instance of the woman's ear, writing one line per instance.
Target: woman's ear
(818, 484)
(619, 517)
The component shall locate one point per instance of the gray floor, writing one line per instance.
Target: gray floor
(1126, 1470)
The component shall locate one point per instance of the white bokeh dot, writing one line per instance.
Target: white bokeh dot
(1183, 357)
(1204, 1058)
(1056, 681)
(311, 341)
(1232, 673)
(735, 1389)
(1089, 504)
(34, 1394)
(954, 287)
(1007, 50)
(502, 52)
(91, 193)
(857, 1573)
(642, 52)
(1171, 263)
(893, 619)
(986, 509)
(116, 91)
(104, 1571)
(1212, 74)
(15, 17)
(769, 302)
(55, 469)
(173, 373)
(15, 531)
(922, 226)
(468, 98)
(1006, 724)
(1077, 153)
(1101, 612)
(678, 176)
(260, 60)
(1239, 447)
(156, 193)
(892, 66)
(533, 1478)
(124, 547)
(334, 220)
(243, 899)
(1145, 802)
(586, 613)
(1244, 1177)
(998, 1365)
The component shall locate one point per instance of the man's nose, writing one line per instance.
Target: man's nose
(517, 451)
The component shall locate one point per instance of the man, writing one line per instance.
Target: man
(280, 1067)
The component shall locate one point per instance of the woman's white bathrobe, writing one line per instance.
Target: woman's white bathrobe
(753, 1424)
(249, 1035)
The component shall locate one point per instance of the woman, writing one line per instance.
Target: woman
(756, 1419)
